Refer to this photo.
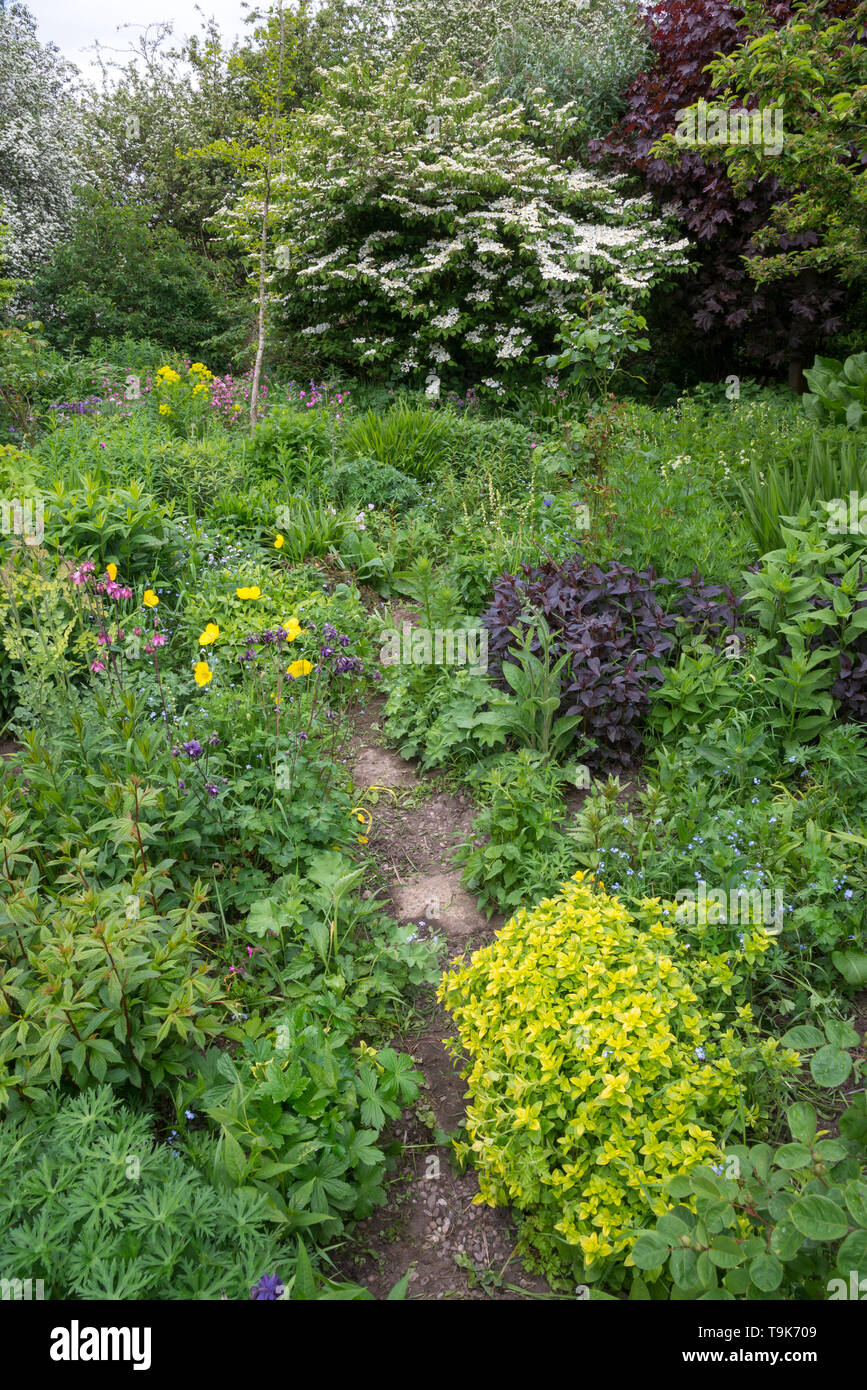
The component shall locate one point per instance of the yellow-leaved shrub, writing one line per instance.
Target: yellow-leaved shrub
(601, 1065)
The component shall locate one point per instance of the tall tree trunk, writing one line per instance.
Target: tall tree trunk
(260, 340)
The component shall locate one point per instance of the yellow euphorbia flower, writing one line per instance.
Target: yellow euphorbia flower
(299, 668)
(210, 634)
(253, 591)
(165, 409)
(150, 599)
(111, 571)
(203, 673)
(168, 374)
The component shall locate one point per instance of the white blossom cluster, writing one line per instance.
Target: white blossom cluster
(398, 243)
(39, 143)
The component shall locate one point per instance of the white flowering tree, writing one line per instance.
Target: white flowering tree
(419, 226)
(39, 142)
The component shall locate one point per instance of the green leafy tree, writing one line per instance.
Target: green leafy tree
(815, 70)
(118, 273)
(257, 158)
(150, 106)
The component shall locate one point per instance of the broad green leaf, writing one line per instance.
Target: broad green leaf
(802, 1121)
(830, 1066)
(818, 1218)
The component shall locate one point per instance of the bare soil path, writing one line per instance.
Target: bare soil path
(453, 1248)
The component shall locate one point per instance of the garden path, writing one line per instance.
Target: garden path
(453, 1248)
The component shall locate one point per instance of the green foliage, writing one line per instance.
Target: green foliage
(363, 481)
(97, 983)
(92, 1205)
(809, 623)
(805, 1235)
(838, 391)
(293, 442)
(749, 823)
(25, 360)
(413, 439)
(599, 1067)
(771, 493)
(119, 274)
(37, 626)
(123, 525)
(536, 681)
(300, 1115)
(523, 804)
(593, 347)
(444, 714)
(812, 69)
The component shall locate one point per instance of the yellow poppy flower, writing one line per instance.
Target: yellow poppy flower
(203, 673)
(278, 542)
(150, 599)
(253, 591)
(111, 571)
(210, 634)
(362, 839)
(292, 628)
(299, 668)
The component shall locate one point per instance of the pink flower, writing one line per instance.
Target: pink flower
(158, 640)
(97, 666)
(103, 639)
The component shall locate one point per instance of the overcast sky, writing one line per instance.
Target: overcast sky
(74, 24)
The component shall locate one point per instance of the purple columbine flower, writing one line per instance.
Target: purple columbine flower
(214, 740)
(212, 789)
(329, 631)
(268, 1289)
(325, 652)
(194, 749)
(343, 640)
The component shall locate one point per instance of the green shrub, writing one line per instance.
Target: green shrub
(91, 1205)
(301, 1116)
(838, 391)
(97, 983)
(411, 438)
(364, 480)
(118, 273)
(598, 1069)
(120, 525)
(807, 1200)
(516, 828)
(291, 442)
